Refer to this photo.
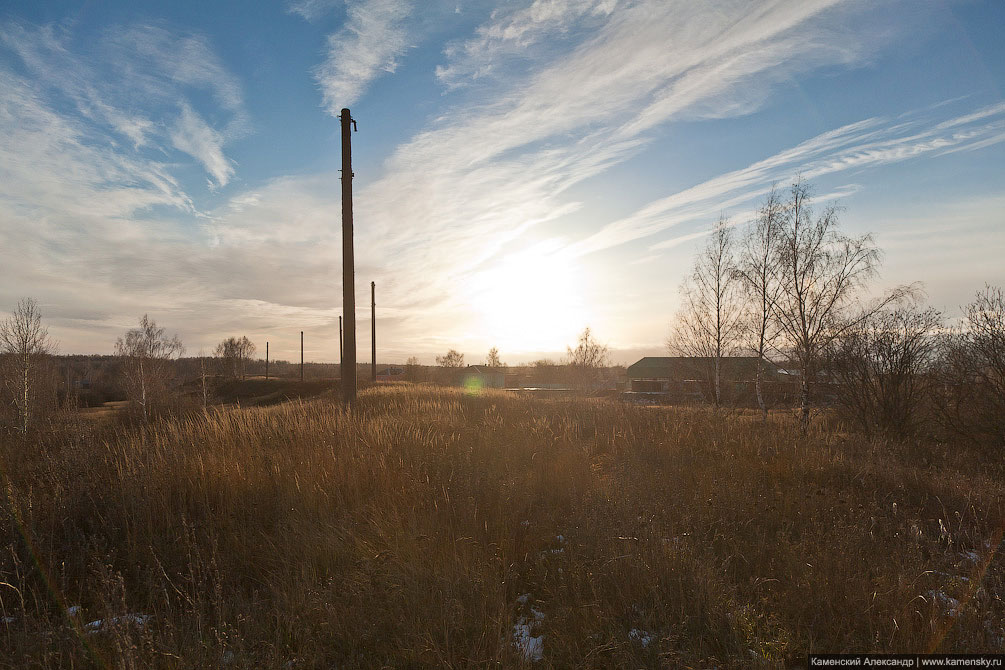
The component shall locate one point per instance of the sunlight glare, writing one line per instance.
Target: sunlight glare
(531, 301)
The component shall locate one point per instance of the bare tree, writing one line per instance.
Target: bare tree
(587, 359)
(26, 344)
(147, 354)
(882, 366)
(972, 371)
(235, 353)
(452, 359)
(820, 275)
(204, 380)
(757, 269)
(493, 360)
(413, 370)
(709, 325)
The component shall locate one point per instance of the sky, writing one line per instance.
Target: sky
(523, 168)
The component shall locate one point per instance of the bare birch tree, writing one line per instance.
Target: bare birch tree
(25, 342)
(147, 354)
(204, 380)
(493, 360)
(708, 325)
(821, 273)
(758, 270)
(587, 359)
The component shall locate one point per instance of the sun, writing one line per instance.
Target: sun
(530, 301)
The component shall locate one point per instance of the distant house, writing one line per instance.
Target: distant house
(480, 376)
(691, 375)
(391, 373)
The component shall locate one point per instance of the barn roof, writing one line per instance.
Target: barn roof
(690, 367)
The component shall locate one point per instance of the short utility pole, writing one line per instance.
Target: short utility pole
(373, 332)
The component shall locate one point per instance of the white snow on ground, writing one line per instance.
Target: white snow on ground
(531, 647)
(98, 625)
(73, 610)
(8, 620)
(640, 636)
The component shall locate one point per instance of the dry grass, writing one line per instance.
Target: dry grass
(404, 533)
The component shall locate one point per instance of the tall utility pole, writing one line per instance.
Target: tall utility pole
(301, 355)
(373, 331)
(340, 344)
(266, 360)
(348, 266)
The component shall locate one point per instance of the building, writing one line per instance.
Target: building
(391, 373)
(482, 377)
(692, 376)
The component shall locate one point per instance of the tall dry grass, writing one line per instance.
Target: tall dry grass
(406, 533)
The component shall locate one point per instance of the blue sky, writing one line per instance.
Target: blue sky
(523, 168)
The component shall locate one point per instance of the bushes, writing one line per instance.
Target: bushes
(900, 374)
(883, 371)
(971, 396)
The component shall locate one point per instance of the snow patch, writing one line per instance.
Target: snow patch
(530, 646)
(138, 620)
(640, 636)
(73, 610)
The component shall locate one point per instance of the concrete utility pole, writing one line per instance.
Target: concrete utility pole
(266, 360)
(301, 355)
(373, 331)
(348, 266)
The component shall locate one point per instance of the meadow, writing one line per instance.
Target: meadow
(429, 527)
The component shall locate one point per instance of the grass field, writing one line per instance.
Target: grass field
(432, 528)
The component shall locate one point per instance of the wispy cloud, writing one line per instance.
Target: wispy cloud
(134, 80)
(194, 136)
(368, 45)
(519, 35)
(866, 144)
(312, 10)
